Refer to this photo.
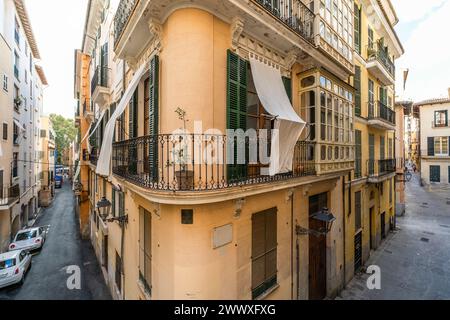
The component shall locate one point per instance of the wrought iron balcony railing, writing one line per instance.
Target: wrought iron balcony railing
(196, 162)
(294, 14)
(123, 14)
(100, 78)
(380, 167)
(9, 195)
(379, 110)
(374, 52)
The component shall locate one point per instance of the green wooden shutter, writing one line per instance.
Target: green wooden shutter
(236, 107)
(430, 146)
(113, 200)
(121, 204)
(288, 86)
(153, 118)
(358, 154)
(132, 133)
(357, 85)
(104, 66)
(357, 27)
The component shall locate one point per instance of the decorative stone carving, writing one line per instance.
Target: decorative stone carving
(237, 27)
(291, 58)
(156, 29)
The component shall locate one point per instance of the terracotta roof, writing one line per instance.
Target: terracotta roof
(41, 74)
(23, 15)
(432, 101)
(403, 103)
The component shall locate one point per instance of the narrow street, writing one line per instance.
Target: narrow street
(47, 278)
(414, 259)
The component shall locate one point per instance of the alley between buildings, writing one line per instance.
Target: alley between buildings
(414, 259)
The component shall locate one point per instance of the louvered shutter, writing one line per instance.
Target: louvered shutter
(104, 66)
(153, 118)
(132, 133)
(430, 146)
(288, 86)
(113, 200)
(236, 108)
(357, 85)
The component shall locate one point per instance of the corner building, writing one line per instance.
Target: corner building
(214, 230)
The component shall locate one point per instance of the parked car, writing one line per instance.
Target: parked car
(58, 182)
(29, 239)
(13, 267)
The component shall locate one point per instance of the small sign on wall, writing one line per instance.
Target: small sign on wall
(222, 236)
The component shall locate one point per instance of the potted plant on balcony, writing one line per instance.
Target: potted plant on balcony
(17, 103)
(180, 156)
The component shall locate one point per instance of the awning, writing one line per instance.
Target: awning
(77, 173)
(18, 124)
(288, 125)
(104, 159)
(89, 133)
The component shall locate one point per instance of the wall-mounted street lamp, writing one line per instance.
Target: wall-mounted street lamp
(324, 216)
(104, 209)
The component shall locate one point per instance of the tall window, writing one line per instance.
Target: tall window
(16, 31)
(441, 118)
(382, 148)
(358, 154)
(357, 25)
(15, 164)
(145, 249)
(441, 146)
(5, 131)
(264, 251)
(118, 273)
(16, 65)
(358, 211)
(5, 82)
(357, 85)
(370, 38)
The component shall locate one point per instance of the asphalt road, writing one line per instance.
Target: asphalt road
(48, 276)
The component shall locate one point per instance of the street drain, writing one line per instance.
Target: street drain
(388, 251)
(444, 226)
(424, 239)
(425, 203)
(429, 233)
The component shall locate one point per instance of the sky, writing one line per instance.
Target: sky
(58, 29)
(423, 29)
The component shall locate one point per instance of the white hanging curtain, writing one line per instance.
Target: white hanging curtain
(288, 125)
(104, 160)
(77, 173)
(89, 134)
(1, 151)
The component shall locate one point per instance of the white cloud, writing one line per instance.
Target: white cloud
(427, 55)
(413, 10)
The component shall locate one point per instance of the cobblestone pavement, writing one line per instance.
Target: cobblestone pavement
(414, 259)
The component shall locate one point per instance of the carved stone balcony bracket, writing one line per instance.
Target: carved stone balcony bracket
(156, 29)
(237, 27)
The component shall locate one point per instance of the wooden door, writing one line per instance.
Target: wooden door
(383, 225)
(358, 251)
(371, 228)
(317, 251)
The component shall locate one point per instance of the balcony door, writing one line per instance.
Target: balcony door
(371, 154)
(317, 250)
(257, 118)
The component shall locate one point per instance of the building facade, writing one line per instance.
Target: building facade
(47, 161)
(186, 224)
(22, 85)
(435, 136)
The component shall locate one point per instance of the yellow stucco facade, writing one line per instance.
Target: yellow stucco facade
(167, 248)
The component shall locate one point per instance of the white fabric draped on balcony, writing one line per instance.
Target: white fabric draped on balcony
(288, 125)
(89, 133)
(104, 159)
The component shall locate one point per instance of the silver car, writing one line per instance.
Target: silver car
(29, 239)
(13, 267)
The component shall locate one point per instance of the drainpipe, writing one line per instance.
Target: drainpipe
(122, 240)
(292, 244)
(343, 224)
(297, 247)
